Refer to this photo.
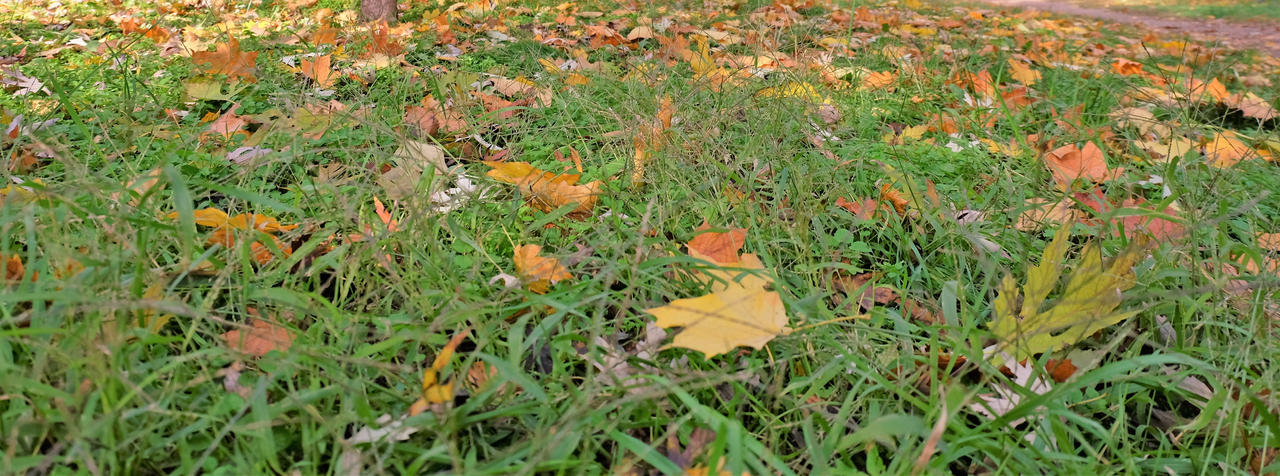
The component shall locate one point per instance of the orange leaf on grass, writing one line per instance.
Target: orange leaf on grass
(1269, 241)
(864, 209)
(435, 391)
(1226, 150)
(1126, 67)
(229, 60)
(260, 338)
(213, 217)
(320, 71)
(13, 269)
(539, 272)
(1069, 163)
(719, 248)
(878, 80)
(544, 190)
(1023, 72)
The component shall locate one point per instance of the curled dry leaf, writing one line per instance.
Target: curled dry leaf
(320, 70)
(547, 191)
(435, 391)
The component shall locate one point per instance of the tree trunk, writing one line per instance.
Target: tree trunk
(378, 10)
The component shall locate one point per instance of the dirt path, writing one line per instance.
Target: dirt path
(1233, 34)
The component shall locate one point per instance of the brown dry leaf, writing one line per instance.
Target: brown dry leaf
(319, 71)
(539, 272)
(864, 209)
(640, 33)
(229, 60)
(1044, 212)
(742, 312)
(261, 337)
(1141, 119)
(13, 269)
(719, 248)
(864, 290)
(1226, 150)
(1069, 163)
(1023, 72)
(1252, 106)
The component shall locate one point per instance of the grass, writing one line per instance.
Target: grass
(113, 359)
(1230, 9)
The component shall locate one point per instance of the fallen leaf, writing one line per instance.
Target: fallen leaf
(13, 269)
(1069, 163)
(1126, 67)
(1088, 302)
(1269, 241)
(718, 247)
(1023, 72)
(874, 80)
(1252, 106)
(547, 191)
(261, 337)
(539, 272)
(319, 71)
(229, 60)
(1226, 150)
(1043, 212)
(435, 391)
(744, 312)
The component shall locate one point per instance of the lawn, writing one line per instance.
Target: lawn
(1229, 9)
(518, 237)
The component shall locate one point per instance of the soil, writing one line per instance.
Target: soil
(1260, 35)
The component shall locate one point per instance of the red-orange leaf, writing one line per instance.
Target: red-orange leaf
(719, 248)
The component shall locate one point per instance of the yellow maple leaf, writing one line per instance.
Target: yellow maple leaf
(1088, 302)
(1023, 72)
(740, 311)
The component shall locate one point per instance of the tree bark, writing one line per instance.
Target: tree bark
(379, 10)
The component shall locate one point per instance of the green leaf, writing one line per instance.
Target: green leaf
(1088, 302)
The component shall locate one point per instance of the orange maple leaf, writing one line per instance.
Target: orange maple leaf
(319, 71)
(719, 248)
(539, 272)
(229, 60)
(1069, 163)
(261, 337)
